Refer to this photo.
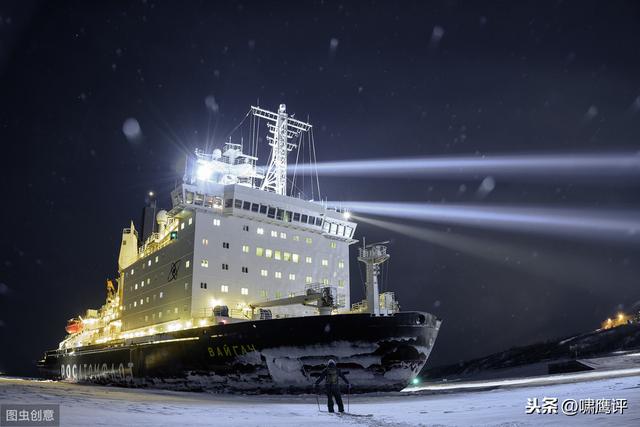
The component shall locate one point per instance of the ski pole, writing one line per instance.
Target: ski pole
(348, 396)
(317, 400)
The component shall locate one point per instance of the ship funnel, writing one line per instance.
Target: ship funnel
(373, 255)
(128, 247)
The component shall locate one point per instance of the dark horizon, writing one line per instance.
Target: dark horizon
(377, 80)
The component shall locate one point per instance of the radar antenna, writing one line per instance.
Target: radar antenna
(282, 129)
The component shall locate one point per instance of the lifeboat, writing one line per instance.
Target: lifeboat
(73, 326)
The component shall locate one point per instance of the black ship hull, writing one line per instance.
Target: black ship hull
(278, 355)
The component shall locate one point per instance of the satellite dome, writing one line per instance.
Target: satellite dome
(217, 153)
(162, 217)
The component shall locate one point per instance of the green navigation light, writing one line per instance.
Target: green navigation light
(173, 235)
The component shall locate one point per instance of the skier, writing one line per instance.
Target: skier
(330, 374)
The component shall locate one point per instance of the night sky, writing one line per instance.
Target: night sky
(377, 80)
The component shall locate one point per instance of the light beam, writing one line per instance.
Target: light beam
(556, 266)
(569, 222)
(584, 165)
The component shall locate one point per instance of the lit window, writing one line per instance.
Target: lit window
(156, 259)
(274, 233)
(159, 314)
(268, 253)
(175, 310)
(307, 260)
(244, 291)
(149, 263)
(182, 226)
(216, 222)
(278, 294)
(147, 300)
(260, 230)
(141, 301)
(136, 286)
(283, 235)
(132, 271)
(205, 242)
(295, 258)
(292, 276)
(187, 263)
(205, 263)
(148, 280)
(224, 288)
(309, 240)
(325, 281)
(259, 251)
(264, 273)
(308, 279)
(277, 255)
(296, 238)
(190, 221)
(245, 249)
(292, 294)
(341, 283)
(186, 286)
(278, 275)
(287, 256)
(161, 294)
(135, 303)
(263, 293)
(142, 284)
(333, 245)
(340, 264)
(325, 262)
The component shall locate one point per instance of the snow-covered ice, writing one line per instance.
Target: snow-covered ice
(83, 405)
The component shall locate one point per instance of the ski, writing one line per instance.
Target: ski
(348, 414)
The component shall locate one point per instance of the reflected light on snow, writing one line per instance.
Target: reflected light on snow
(594, 165)
(549, 379)
(570, 222)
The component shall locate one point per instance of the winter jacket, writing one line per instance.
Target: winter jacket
(331, 373)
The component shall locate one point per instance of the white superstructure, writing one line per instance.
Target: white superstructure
(233, 239)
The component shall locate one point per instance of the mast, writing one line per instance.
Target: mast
(282, 129)
(373, 255)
